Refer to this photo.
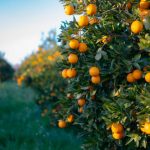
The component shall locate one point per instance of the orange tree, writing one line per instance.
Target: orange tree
(107, 66)
(39, 72)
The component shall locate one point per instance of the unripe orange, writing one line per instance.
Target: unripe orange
(136, 27)
(91, 9)
(81, 102)
(69, 10)
(74, 44)
(83, 21)
(73, 58)
(130, 78)
(64, 73)
(82, 47)
(61, 124)
(117, 127)
(137, 74)
(70, 118)
(94, 71)
(147, 77)
(96, 79)
(71, 73)
(118, 136)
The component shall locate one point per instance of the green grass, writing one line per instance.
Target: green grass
(22, 128)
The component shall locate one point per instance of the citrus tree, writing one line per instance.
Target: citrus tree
(106, 63)
(39, 72)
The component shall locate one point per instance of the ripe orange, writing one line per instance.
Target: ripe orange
(83, 21)
(147, 127)
(70, 118)
(61, 124)
(136, 27)
(82, 47)
(91, 9)
(117, 128)
(137, 74)
(74, 44)
(94, 71)
(144, 4)
(64, 73)
(71, 73)
(73, 58)
(147, 77)
(81, 102)
(118, 136)
(69, 10)
(95, 79)
(144, 13)
(130, 78)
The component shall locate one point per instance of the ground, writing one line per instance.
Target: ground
(22, 128)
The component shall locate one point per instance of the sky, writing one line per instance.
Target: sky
(23, 21)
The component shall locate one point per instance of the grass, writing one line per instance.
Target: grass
(22, 128)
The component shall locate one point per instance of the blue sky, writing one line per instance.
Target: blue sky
(23, 21)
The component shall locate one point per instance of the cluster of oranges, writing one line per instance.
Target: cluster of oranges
(95, 75)
(63, 123)
(137, 26)
(117, 131)
(137, 75)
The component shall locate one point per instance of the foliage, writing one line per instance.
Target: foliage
(6, 70)
(39, 72)
(117, 47)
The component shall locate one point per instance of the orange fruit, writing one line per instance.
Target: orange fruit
(91, 9)
(137, 74)
(147, 127)
(80, 110)
(81, 102)
(130, 78)
(64, 73)
(61, 124)
(70, 118)
(96, 79)
(71, 73)
(117, 128)
(74, 44)
(147, 77)
(82, 47)
(69, 10)
(73, 58)
(136, 27)
(94, 71)
(83, 21)
(118, 136)
(144, 4)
